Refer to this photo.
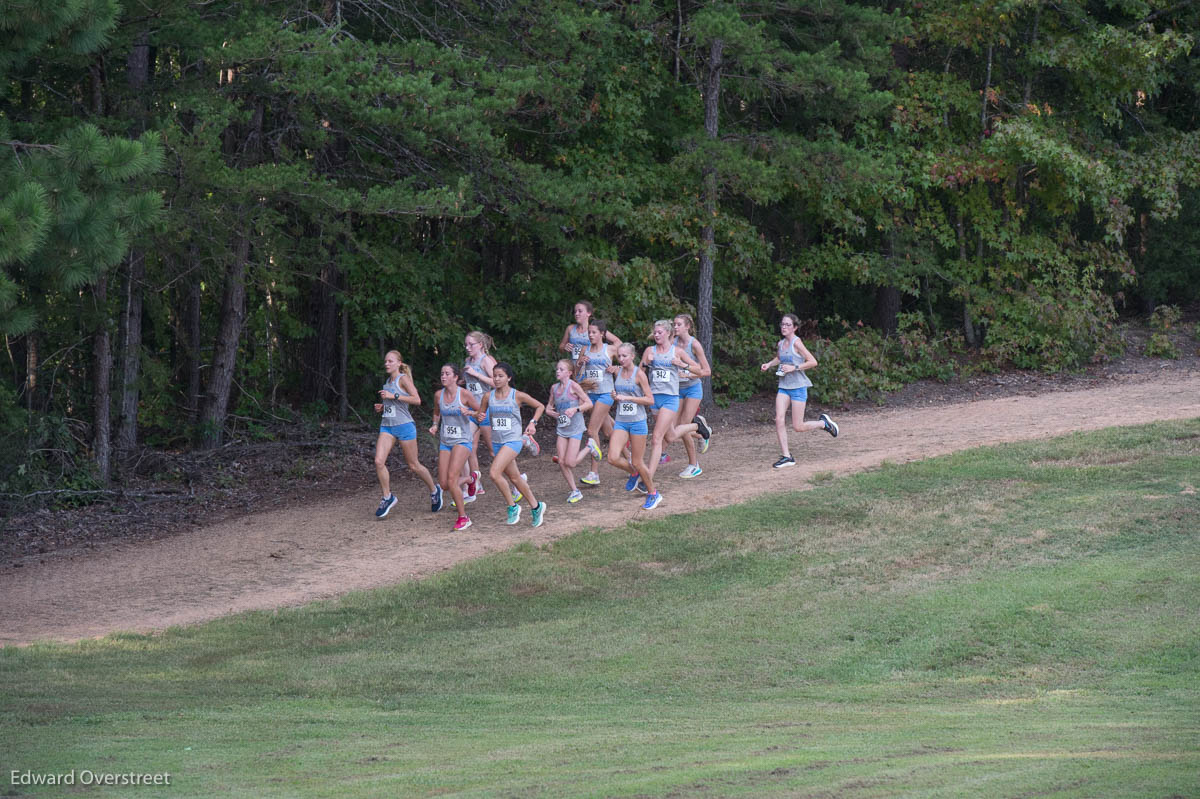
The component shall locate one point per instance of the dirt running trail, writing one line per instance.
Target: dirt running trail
(302, 552)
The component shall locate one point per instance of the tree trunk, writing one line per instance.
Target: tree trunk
(887, 296)
(1033, 36)
(233, 319)
(137, 72)
(968, 326)
(130, 332)
(704, 304)
(101, 381)
(193, 362)
(322, 350)
(31, 369)
(343, 365)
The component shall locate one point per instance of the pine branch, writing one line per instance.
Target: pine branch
(21, 145)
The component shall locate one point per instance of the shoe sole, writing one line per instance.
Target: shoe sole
(573, 500)
(588, 482)
(704, 422)
(783, 465)
(830, 426)
(690, 475)
(458, 529)
(655, 505)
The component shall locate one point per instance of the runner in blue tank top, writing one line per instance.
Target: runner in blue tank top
(453, 409)
(396, 424)
(631, 395)
(594, 371)
(503, 405)
(477, 376)
(691, 392)
(664, 360)
(575, 337)
(567, 404)
(793, 360)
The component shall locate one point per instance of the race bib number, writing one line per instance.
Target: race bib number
(452, 431)
(475, 388)
(592, 374)
(575, 350)
(662, 376)
(563, 420)
(626, 409)
(389, 411)
(502, 424)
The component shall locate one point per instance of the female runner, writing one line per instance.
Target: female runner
(665, 360)
(575, 338)
(477, 374)
(396, 424)
(631, 392)
(793, 359)
(691, 391)
(453, 409)
(595, 368)
(568, 402)
(503, 405)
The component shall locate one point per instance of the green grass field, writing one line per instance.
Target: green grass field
(1012, 621)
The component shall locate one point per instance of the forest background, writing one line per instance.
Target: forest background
(216, 216)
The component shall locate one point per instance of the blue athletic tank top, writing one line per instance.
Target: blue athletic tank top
(578, 341)
(629, 411)
(474, 385)
(506, 417)
(395, 413)
(456, 427)
(691, 351)
(788, 355)
(596, 369)
(568, 426)
(664, 374)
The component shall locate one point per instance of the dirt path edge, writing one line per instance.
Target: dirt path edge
(298, 553)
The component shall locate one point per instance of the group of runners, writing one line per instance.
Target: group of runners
(602, 391)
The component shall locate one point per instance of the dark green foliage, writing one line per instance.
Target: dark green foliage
(1004, 175)
(862, 364)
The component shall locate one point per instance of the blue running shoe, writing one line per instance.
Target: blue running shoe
(385, 505)
(640, 488)
(514, 514)
(539, 514)
(632, 482)
(652, 501)
(435, 499)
